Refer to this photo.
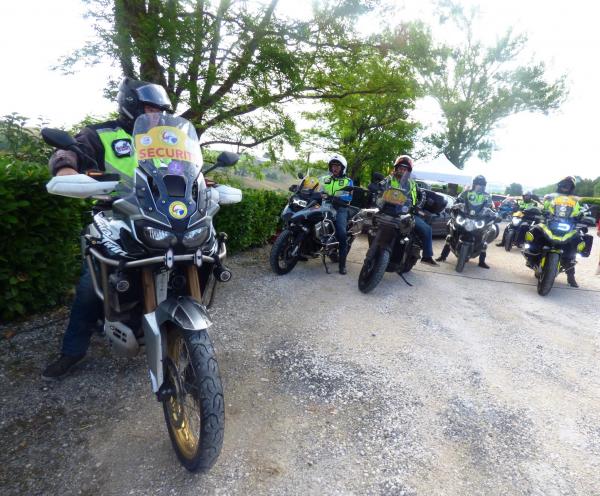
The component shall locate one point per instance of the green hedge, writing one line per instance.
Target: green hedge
(590, 200)
(39, 246)
(252, 221)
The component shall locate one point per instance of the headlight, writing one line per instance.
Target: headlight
(479, 224)
(516, 221)
(563, 227)
(157, 238)
(460, 220)
(195, 237)
(298, 202)
(469, 225)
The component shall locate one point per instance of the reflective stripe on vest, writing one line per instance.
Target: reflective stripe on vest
(122, 165)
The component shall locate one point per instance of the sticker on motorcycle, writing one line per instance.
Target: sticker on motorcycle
(167, 142)
(177, 210)
(394, 196)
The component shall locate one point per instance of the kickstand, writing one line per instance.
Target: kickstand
(404, 279)
(324, 262)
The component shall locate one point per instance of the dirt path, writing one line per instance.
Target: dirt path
(455, 386)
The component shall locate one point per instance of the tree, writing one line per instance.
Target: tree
(514, 189)
(229, 64)
(477, 87)
(371, 129)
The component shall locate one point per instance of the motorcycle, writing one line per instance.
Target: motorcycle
(393, 244)
(558, 230)
(309, 227)
(471, 230)
(155, 259)
(521, 221)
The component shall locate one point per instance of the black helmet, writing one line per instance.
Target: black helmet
(527, 196)
(566, 186)
(479, 180)
(133, 95)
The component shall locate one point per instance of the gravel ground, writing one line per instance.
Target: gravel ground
(458, 385)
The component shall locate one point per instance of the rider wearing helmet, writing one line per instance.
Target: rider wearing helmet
(479, 198)
(565, 187)
(526, 202)
(110, 145)
(334, 184)
(400, 179)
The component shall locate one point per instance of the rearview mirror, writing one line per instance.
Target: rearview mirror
(227, 159)
(377, 177)
(293, 188)
(300, 175)
(58, 139)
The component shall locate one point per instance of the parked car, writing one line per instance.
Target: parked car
(498, 199)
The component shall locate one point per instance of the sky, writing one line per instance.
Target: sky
(534, 149)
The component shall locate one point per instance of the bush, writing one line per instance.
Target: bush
(252, 221)
(39, 246)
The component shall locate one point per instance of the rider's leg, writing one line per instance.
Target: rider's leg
(423, 230)
(341, 222)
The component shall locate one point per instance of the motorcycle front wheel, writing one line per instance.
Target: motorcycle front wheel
(194, 413)
(463, 256)
(281, 259)
(372, 271)
(548, 274)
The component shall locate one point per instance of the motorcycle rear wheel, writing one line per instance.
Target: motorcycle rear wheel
(372, 271)
(280, 258)
(508, 242)
(195, 413)
(548, 274)
(463, 256)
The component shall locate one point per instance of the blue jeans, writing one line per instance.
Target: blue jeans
(86, 310)
(423, 230)
(341, 221)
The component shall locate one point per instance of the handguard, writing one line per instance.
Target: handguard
(79, 186)
(228, 195)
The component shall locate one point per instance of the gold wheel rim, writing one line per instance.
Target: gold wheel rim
(183, 407)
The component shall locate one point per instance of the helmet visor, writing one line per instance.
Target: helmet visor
(153, 94)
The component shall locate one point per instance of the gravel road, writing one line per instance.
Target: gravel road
(458, 385)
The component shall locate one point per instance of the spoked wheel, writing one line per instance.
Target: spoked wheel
(548, 274)
(194, 412)
(372, 271)
(463, 256)
(508, 242)
(281, 259)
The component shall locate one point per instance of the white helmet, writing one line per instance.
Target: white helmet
(336, 157)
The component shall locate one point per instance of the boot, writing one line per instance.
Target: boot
(482, 263)
(444, 255)
(571, 278)
(60, 368)
(343, 265)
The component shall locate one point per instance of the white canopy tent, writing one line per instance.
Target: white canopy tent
(440, 170)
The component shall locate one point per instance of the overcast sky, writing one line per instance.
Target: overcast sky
(534, 149)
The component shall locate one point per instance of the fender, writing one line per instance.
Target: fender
(183, 311)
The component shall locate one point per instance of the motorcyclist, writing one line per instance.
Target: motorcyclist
(334, 184)
(400, 179)
(526, 202)
(565, 187)
(476, 197)
(110, 145)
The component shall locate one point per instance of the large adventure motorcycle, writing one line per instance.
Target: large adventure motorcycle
(521, 221)
(393, 244)
(472, 228)
(309, 230)
(154, 257)
(558, 230)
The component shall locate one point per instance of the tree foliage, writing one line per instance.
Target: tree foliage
(228, 65)
(478, 86)
(514, 189)
(371, 129)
